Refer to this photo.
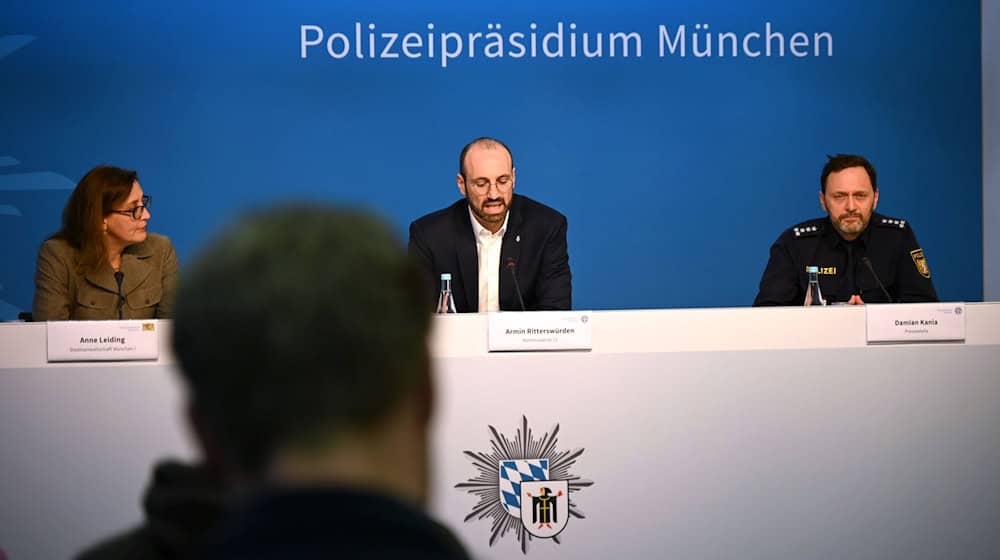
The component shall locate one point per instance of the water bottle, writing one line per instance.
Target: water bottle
(446, 303)
(813, 294)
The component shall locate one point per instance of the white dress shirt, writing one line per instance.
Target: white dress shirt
(488, 246)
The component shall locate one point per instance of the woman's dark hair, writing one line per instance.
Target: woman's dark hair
(96, 195)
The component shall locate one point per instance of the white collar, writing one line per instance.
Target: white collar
(477, 228)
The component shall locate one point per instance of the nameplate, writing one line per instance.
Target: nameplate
(915, 322)
(512, 331)
(102, 341)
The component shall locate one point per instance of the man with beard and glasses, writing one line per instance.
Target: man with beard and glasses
(844, 244)
(492, 234)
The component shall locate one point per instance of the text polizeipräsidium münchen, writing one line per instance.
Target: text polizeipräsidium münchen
(370, 42)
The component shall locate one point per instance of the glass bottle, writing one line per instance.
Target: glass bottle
(814, 296)
(446, 302)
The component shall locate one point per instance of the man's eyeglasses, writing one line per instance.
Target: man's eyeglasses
(502, 183)
(136, 211)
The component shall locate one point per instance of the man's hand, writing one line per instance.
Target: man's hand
(855, 300)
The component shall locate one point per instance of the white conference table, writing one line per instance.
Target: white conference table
(707, 433)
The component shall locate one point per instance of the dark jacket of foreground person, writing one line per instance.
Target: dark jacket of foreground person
(322, 522)
(182, 504)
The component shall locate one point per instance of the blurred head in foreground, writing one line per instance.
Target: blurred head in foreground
(301, 334)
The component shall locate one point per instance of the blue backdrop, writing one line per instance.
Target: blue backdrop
(676, 172)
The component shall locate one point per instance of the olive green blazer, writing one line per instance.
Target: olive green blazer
(149, 284)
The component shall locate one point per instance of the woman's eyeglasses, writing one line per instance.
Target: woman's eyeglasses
(136, 211)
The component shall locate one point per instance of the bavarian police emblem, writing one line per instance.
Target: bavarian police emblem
(921, 263)
(524, 486)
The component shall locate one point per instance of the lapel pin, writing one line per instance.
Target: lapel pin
(517, 239)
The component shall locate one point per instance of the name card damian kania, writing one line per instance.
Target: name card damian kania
(915, 322)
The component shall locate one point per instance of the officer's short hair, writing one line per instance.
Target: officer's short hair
(841, 162)
(297, 325)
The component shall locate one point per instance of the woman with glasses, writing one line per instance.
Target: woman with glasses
(103, 264)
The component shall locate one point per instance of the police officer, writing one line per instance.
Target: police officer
(854, 247)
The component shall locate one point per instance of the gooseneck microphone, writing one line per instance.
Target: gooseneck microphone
(119, 276)
(868, 264)
(511, 265)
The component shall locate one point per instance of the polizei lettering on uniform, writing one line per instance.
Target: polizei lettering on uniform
(559, 40)
(102, 340)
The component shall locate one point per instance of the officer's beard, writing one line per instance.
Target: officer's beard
(853, 228)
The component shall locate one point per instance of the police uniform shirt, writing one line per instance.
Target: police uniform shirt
(889, 243)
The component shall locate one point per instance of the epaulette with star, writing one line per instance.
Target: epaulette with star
(887, 222)
(810, 228)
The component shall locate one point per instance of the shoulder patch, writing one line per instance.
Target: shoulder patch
(920, 262)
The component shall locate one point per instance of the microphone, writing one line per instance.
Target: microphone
(119, 276)
(511, 265)
(868, 264)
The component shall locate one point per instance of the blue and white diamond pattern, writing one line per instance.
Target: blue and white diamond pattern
(512, 474)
